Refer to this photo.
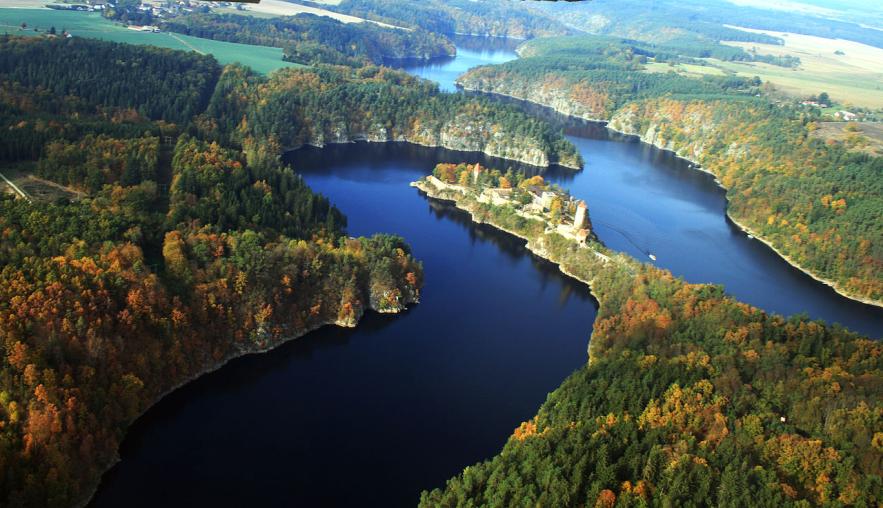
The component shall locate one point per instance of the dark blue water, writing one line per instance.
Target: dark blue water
(471, 52)
(643, 201)
(372, 416)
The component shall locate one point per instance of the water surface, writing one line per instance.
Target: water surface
(471, 52)
(644, 200)
(373, 415)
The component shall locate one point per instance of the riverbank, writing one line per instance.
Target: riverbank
(746, 229)
(662, 352)
(408, 300)
(584, 269)
(403, 139)
(739, 222)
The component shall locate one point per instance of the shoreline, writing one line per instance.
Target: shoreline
(529, 101)
(427, 145)
(217, 366)
(748, 231)
(530, 245)
(696, 166)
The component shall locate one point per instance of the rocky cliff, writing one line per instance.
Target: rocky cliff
(575, 99)
(295, 107)
(465, 132)
(812, 217)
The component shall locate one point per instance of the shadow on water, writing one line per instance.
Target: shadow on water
(421, 158)
(513, 247)
(471, 47)
(644, 200)
(373, 415)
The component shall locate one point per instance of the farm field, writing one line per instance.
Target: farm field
(91, 24)
(854, 77)
(870, 135)
(687, 69)
(271, 8)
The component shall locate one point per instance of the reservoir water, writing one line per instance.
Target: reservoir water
(643, 201)
(373, 415)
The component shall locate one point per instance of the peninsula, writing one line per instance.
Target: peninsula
(159, 255)
(706, 391)
(814, 203)
(336, 104)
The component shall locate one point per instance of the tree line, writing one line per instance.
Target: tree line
(183, 253)
(311, 39)
(326, 104)
(819, 203)
(689, 398)
(450, 17)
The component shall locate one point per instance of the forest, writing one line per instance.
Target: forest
(311, 39)
(689, 397)
(450, 17)
(291, 108)
(193, 243)
(107, 76)
(95, 161)
(183, 254)
(703, 22)
(817, 202)
(330, 104)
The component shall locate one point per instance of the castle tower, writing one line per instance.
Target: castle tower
(475, 170)
(579, 220)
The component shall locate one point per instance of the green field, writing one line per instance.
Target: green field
(683, 68)
(91, 24)
(857, 89)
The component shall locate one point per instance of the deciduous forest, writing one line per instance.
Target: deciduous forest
(182, 255)
(331, 104)
(818, 203)
(689, 398)
(310, 39)
(182, 240)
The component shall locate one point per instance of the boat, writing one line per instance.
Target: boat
(652, 257)
(751, 237)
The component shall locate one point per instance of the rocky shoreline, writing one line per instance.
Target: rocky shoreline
(352, 323)
(403, 139)
(695, 165)
(746, 229)
(532, 245)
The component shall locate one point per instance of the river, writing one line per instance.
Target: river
(373, 415)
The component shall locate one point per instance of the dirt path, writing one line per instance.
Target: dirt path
(182, 41)
(16, 188)
(48, 183)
